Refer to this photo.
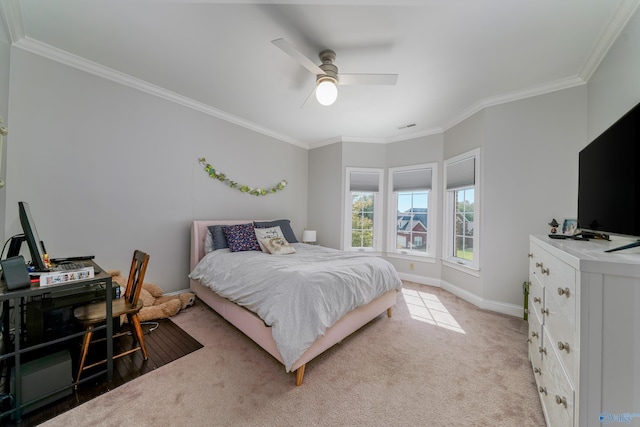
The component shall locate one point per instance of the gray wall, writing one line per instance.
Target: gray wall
(325, 194)
(108, 169)
(530, 175)
(615, 86)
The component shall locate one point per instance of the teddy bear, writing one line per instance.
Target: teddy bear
(155, 305)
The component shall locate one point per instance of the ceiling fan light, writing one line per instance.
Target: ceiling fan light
(326, 92)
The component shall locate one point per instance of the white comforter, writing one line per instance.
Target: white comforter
(299, 295)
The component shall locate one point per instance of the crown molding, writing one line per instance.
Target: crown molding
(616, 25)
(77, 62)
(542, 89)
(12, 14)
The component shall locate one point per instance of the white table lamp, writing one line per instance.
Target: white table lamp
(309, 236)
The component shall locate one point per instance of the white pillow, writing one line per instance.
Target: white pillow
(208, 242)
(278, 246)
(272, 241)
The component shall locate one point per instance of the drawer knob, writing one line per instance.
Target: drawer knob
(542, 350)
(537, 299)
(566, 292)
(561, 400)
(544, 270)
(534, 334)
(530, 255)
(544, 311)
(539, 264)
(529, 340)
(542, 390)
(537, 371)
(563, 346)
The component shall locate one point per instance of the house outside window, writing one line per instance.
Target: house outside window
(363, 209)
(412, 210)
(461, 233)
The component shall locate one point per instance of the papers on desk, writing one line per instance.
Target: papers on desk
(57, 277)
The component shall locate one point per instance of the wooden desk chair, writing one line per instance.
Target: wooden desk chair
(93, 314)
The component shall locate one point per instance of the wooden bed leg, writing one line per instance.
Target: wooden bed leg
(300, 375)
(389, 311)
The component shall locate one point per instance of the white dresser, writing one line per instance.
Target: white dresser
(584, 331)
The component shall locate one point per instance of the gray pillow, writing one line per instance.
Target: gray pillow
(219, 240)
(284, 225)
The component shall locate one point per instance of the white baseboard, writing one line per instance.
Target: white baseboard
(178, 292)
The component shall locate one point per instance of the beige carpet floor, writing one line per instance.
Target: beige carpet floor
(439, 361)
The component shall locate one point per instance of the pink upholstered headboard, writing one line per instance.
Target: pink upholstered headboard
(199, 232)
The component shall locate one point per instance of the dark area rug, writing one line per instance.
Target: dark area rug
(165, 342)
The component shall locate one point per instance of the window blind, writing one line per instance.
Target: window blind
(412, 180)
(364, 181)
(461, 174)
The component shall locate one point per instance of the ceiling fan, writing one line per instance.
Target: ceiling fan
(327, 76)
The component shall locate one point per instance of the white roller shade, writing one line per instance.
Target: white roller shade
(412, 180)
(364, 181)
(461, 174)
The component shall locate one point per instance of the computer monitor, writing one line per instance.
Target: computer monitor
(36, 247)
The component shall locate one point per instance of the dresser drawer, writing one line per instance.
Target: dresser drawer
(560, 333)
(559, 394)
(535, 334)
(536, 297)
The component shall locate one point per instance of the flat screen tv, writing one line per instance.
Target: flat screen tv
(36, 248)
(609, 181)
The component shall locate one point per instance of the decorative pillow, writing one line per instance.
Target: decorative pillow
(285, 226)
(267, 233)
(277, 246)
(208, 242)
(241, 237)
(219, 240)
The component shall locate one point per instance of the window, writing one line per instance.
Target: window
(461, 210)
(363, 219)
(412, 210)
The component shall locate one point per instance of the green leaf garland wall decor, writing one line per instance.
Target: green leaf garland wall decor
(213, 174)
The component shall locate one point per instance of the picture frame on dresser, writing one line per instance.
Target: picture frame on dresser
(569, 226)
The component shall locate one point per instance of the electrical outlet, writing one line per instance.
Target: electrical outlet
(411, 266)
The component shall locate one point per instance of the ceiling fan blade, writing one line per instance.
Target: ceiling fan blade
(311, 95)
(290, 50)
(367, 79)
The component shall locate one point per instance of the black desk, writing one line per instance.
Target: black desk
(18, 296)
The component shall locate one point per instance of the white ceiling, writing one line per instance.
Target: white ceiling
(453, 57)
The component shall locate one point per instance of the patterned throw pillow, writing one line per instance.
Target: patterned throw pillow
(264, 234)
(241, 237)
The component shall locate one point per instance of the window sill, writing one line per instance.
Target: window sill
(418, 258)
(473, 271)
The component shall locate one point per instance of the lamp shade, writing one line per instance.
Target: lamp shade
(326, 92)
(309, 236)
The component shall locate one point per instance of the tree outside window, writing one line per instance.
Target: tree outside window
(464, 224)
(362, 220)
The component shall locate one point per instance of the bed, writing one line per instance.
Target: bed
(353, 311)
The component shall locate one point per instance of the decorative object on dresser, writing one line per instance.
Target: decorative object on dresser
(583, 330)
